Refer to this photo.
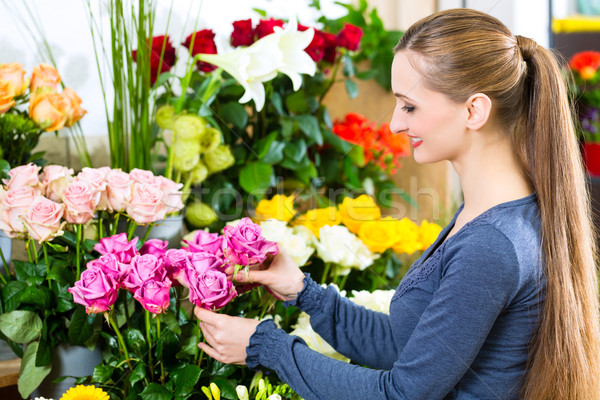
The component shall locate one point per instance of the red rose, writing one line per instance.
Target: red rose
(265, 26)
(243, 34)
(329, 47)
(316, 47)
(168, 56)
(349, 37)
(585, 59)
(204, 42)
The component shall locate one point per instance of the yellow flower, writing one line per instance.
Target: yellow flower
(379, 235)
(428, 232)
(279, 207)
(407, 235)
(216, 392)
(355, 212)
(81, 392)
(318, 218)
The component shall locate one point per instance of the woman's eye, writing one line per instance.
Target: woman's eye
(408, 108)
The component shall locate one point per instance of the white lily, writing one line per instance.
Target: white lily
(296, 61)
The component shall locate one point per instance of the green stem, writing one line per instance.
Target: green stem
(149, 339)
(78, 230)
(332, 80)
(147, 232)
(45, 248)
(33, 250)
(126, 307)
(115, 224)
(120, 340)
(343, 282)
(5, 264)
(100, 227)
(266, 306)
(131, 229)
(162, 368)
(325, 272)
(199, 351)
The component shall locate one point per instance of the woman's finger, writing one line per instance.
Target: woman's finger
(210, 351)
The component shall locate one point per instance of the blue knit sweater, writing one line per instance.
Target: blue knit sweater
(459, 326)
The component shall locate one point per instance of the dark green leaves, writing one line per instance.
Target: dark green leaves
(80, 329)
(256, 177)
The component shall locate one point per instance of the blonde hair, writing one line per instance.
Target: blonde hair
(464, 52)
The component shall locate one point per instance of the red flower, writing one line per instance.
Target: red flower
(243, 34)
(585, 59)
(354, 129)
(397, 143)
(349, 37)
(316, 48)
(204, 43)
(168, 56)
(329, 47)
(265, 26)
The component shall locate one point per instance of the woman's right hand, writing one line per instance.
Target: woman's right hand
(279, 274)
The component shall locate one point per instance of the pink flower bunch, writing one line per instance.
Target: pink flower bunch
(40, 204)
(150, 272)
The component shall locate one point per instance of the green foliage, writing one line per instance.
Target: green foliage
(18, 137)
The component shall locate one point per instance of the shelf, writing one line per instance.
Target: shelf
(9, 372)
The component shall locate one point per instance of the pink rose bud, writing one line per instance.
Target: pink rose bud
(119, 246)
(118, 189)
(244, 244)
(15, 205)
(95, 290)
(80, 200)
(210, 289)
(154, 295)
(142, 269)
(43, 219)
(111, 266)
(24, 175)
(146, 205)
(96, 178)
(205, 241)
(142, 176)
(175, 261)
(156, 247)
(171, 193)
(55, 179)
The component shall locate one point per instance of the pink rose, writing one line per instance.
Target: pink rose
(96, 178)
(43, 219)
(111, 266)
(24, 175)
(55, 179)
(142, 176)
(210, 289)
(81, 201)
(118, 190)
(175, 261)
(205, 241)
(15, 205)
(171, 193)
(95, 290)
(146, 205)
(204, 260)
(156, 247)
(154, 295)
(142, 269)
(119, 246)
(244, 244)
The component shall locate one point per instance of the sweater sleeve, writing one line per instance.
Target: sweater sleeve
(479, 278)
(363, 335)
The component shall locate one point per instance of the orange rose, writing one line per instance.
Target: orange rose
(6, 96)
(44, 76)
(47, 109)
(72, 106)
(14, 74)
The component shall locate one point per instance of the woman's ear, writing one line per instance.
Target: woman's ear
(479, 107)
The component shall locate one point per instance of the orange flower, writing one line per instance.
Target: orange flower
(14, 74)
(47, 109)
(397, 143)
(72, 106)
(354, 128)
(585, 60)
(7, 94)
(44, 76)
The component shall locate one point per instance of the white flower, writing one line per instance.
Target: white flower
(276, 319)
(379, 300)
(274, 396)
(295, 61)
(313, 340)
(242, 392)
(274, 229)
(338, 245)
(298, 246)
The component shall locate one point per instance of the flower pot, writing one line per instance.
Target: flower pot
(591, 157)
(6, 352)
(67, 361)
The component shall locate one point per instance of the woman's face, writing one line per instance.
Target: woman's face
(435, 124)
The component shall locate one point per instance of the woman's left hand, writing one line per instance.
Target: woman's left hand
(227, 337)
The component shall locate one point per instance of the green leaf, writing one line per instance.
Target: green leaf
(260, 12)
(235, 113)
(80, 329)
(44, 353)
(296, 103)
(309, 125)
(139, 373)
(37, 295)
(256, 176)
(11, 295)
(307, 173)
(357, 155)
(277, 103)
(171, 320)
(227, 387)
(154, 391)
(275, 153)
(31, 376)
(264, 144)
(184, 378)
(366, 75)
(348, 66)
(33, 274)
(351, 88)
(102, 373)
(334, 140)
(165, 76)
(57, 247)
(295, 150)
(135, 341)
(4, 168)
(61, 274)
(21, 326)
(287, 128)
(220, 369)
(351, 172)
(64, 300)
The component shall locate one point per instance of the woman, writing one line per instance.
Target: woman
(504, 304)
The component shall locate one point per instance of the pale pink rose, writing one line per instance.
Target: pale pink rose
(24, 175)
(156, 247)
(112, 266)
(154, 295)
(171, 193)
(96, 178)
(80, 200)
(95, 290)
(15, 205)
(146, 205)
(118, 190)
(142, 269)
(119, 246)
(55, 179)
(205, 241)
(43, 220)
(142, 176)
(175, 261)
(210, 289)
(244, 244)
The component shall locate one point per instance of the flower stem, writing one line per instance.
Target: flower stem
(131, 229)
(45, 248)
(120, 340)
(343, 282)
(162, 368)
(33, 250)
(199, 351)
(5, 264)
(78, 230)
(332, 80)
(325, 272)
(115, 224)
(100, 227)
(147, 232)
(149, 339)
